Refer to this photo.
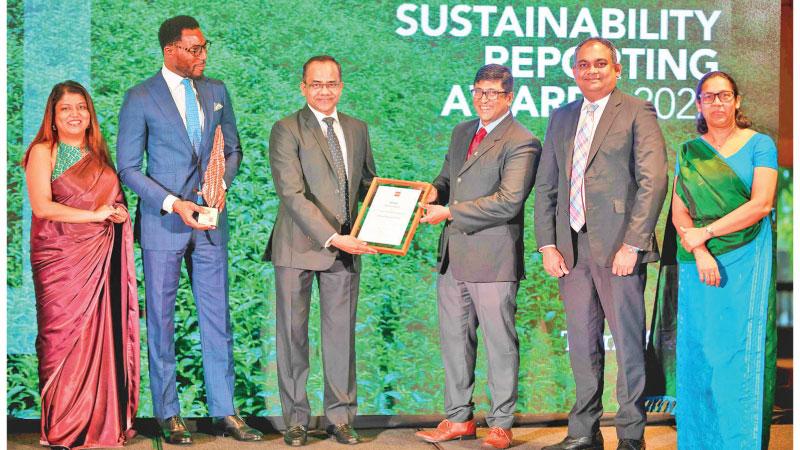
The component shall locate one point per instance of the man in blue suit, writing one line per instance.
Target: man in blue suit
(171, 117)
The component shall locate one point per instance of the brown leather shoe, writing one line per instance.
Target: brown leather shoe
(448, 431)
(235, 426)
(498, 438)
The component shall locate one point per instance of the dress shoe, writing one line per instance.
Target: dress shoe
(236, 427)
(630, 444)
(498, 438)
(175, 431)
(447, 431)
(344, 434)
(581, 443)
(296, 436)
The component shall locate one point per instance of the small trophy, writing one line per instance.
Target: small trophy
(212, 191)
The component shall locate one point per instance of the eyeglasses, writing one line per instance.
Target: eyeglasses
(707, 98)
(583, 66)
(316, 85)
(197, 50)
(491, 94)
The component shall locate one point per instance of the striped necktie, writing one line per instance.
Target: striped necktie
(338, 165)
(583, 141)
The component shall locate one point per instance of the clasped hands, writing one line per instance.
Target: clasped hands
(693, 240)
(116, 213)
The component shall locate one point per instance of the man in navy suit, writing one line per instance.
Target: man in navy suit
(171, 117)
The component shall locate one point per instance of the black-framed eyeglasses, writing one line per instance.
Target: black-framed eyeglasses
(197, 50)
(707, 98)
(332, 85)
(491, 94)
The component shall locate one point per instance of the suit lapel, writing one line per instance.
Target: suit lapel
(573, 116)
(349, 140)
(313, 127)
(162, 97)
(488, 142)
(609, 114)
(207, 104)
(461, 146)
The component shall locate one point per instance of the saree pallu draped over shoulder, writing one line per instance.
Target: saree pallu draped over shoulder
(726, 335)
(88, 316)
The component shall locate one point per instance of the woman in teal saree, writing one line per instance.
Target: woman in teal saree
(724, 192)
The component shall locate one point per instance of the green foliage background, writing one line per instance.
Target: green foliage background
(398, 86)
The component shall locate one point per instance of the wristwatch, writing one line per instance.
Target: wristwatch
(710, 231)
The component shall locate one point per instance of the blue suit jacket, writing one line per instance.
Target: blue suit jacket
(149, 123)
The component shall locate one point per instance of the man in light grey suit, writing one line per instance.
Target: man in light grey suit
(488, 173)
(321, 163)
(599, 190)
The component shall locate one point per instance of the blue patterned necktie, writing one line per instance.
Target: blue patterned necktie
(192, 115)
(338, 165)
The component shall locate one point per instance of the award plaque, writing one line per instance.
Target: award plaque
(390, 214)
(209, 216)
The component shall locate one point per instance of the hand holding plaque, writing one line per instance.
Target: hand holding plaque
(213, 192)
(390, 214)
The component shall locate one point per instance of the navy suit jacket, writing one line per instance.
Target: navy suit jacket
(149, 123)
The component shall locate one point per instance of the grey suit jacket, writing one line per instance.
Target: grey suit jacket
(486, 195)
(624, 184)
(306, 184)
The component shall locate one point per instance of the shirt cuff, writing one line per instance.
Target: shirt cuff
(168, 202)
(224, 185)
(330, 239)
(544, 247)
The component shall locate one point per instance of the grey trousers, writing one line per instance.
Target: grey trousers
(338, 296)
(463, 306)
(592, 293)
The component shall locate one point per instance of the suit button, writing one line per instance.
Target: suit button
(337, 191)
(455, 202)
(458, 180)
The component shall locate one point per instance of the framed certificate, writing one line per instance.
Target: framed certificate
(390, 214)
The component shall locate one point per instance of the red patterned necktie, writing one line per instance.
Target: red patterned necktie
(215, 170)
(476, 141)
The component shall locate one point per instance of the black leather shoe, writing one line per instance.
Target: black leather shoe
(630, 444)
(344, 434)
(234, 426)
(296, 436)
(582, 443)
(175, 431)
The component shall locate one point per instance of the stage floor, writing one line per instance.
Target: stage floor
(658, 437)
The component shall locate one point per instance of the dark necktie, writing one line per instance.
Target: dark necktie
(476, 141)
(338, 165)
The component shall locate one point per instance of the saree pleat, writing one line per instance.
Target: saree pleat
(88, 340)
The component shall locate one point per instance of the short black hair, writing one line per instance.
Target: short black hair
(600, 40)
(322, 58)
(172, 29)
(496, 72)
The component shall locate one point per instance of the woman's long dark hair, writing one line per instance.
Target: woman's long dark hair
(48, 134)
(742, 121)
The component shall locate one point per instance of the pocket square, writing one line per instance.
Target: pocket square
(217, 106)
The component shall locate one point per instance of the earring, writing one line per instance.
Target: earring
(54, 127)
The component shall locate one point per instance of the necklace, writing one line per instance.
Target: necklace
(718, 145)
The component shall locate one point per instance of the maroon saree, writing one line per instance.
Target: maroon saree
(88, 316)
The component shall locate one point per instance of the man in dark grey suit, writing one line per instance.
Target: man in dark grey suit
(321, 163)
(599, 190)
(487, 175)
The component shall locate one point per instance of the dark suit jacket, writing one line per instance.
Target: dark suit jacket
(306, 184)
(624, 184)
(149, 122)
(486, 195)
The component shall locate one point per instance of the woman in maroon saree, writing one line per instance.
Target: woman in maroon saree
(84, 277)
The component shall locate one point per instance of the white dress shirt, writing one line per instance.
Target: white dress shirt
(178, 91)
(337, 130)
